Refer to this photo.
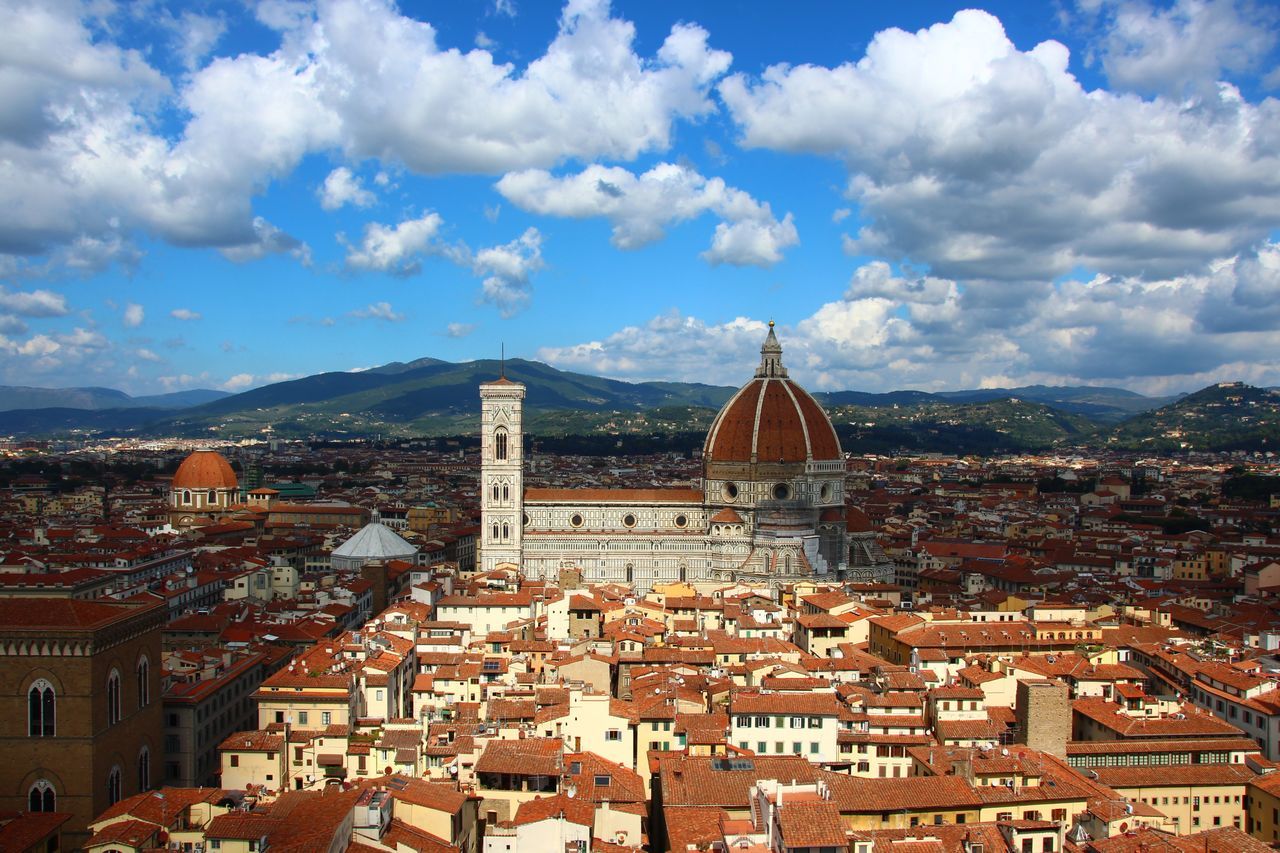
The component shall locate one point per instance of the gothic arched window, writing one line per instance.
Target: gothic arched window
(144, 682)
(113, 699)
(41, 797)
(113, 786)
(41, 709)
(144, 769)
(500, 444)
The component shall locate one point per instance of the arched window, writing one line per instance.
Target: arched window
(113, 699)
(113, 786)
(186, 496)
(144, 682)
(144, 769)
(495, 491)
(631, 573)
(500, 444)
(213, 496)
(495, 530)
(41, 709)
(41, 797)
(506, 532)
(506, 493)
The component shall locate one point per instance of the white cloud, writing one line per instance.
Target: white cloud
(147, 355)
(244, 381)
(185, 314)
(342, 187)
(33, 303)
(377, 311)
(61, 358)
(892, 331)
(506, 270)
(752, 242)
(239, 382)
(133, 315)
(266, 240)
(983, 161)
(459, 330)
(397, 249)
(194, 35)
(1182, 49)
(641, 207)
(354, 76)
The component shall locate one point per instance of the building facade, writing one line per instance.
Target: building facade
(80, 705)
(770, 508)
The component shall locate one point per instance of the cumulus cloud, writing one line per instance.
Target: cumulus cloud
(396, 250)
(33, 303)
(1182, 49)
(194, 36)
(377, 311)
(641, 207)
(894, 330)
(184, 314)
(343, 187)
(245, 381)
(506, 270)
(59, 357)
(983, 161)
(354, 76)
(133, 315)
(266, 240)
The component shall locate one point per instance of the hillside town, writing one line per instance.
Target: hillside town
(279, 646)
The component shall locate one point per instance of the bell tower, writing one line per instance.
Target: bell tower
(501, 473)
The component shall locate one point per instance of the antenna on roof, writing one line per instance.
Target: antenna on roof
(502, 360)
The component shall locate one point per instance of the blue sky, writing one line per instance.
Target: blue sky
(225, 194)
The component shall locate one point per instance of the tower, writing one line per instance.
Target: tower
(501, 473)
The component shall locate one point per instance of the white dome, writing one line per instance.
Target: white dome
(375, 541)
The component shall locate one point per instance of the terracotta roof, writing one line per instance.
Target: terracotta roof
(771, 419)
(205, 469)
(529, 757)
(812, 824)
(571, 809)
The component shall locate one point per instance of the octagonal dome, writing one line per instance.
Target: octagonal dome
(771, 420)
(205, 469)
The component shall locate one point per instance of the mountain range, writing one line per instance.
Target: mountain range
(433, 397)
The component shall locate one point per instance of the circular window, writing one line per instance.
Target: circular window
(681, 520)
(826, 491)
(575, 520)
(781, 491)
(628, 520)
(730, 490)
(526, 520)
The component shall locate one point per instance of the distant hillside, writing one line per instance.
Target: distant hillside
(13, 397)
(1226, 416)
(428, 396)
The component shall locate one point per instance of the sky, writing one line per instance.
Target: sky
(206, 194)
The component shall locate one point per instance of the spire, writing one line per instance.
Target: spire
(771, 358)
(502, 361)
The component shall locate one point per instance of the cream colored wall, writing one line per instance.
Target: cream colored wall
(1182, 804)
(254, 769)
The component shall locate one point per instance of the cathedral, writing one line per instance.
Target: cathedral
(770, 508)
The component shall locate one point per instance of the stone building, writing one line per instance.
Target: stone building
(204, 489)
(80, 705)
(770, 507)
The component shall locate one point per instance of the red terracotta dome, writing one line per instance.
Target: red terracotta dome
(205, 469)
(857, 521)
(771, 419)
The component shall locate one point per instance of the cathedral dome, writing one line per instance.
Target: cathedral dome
(205, 469)
(771, 420)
